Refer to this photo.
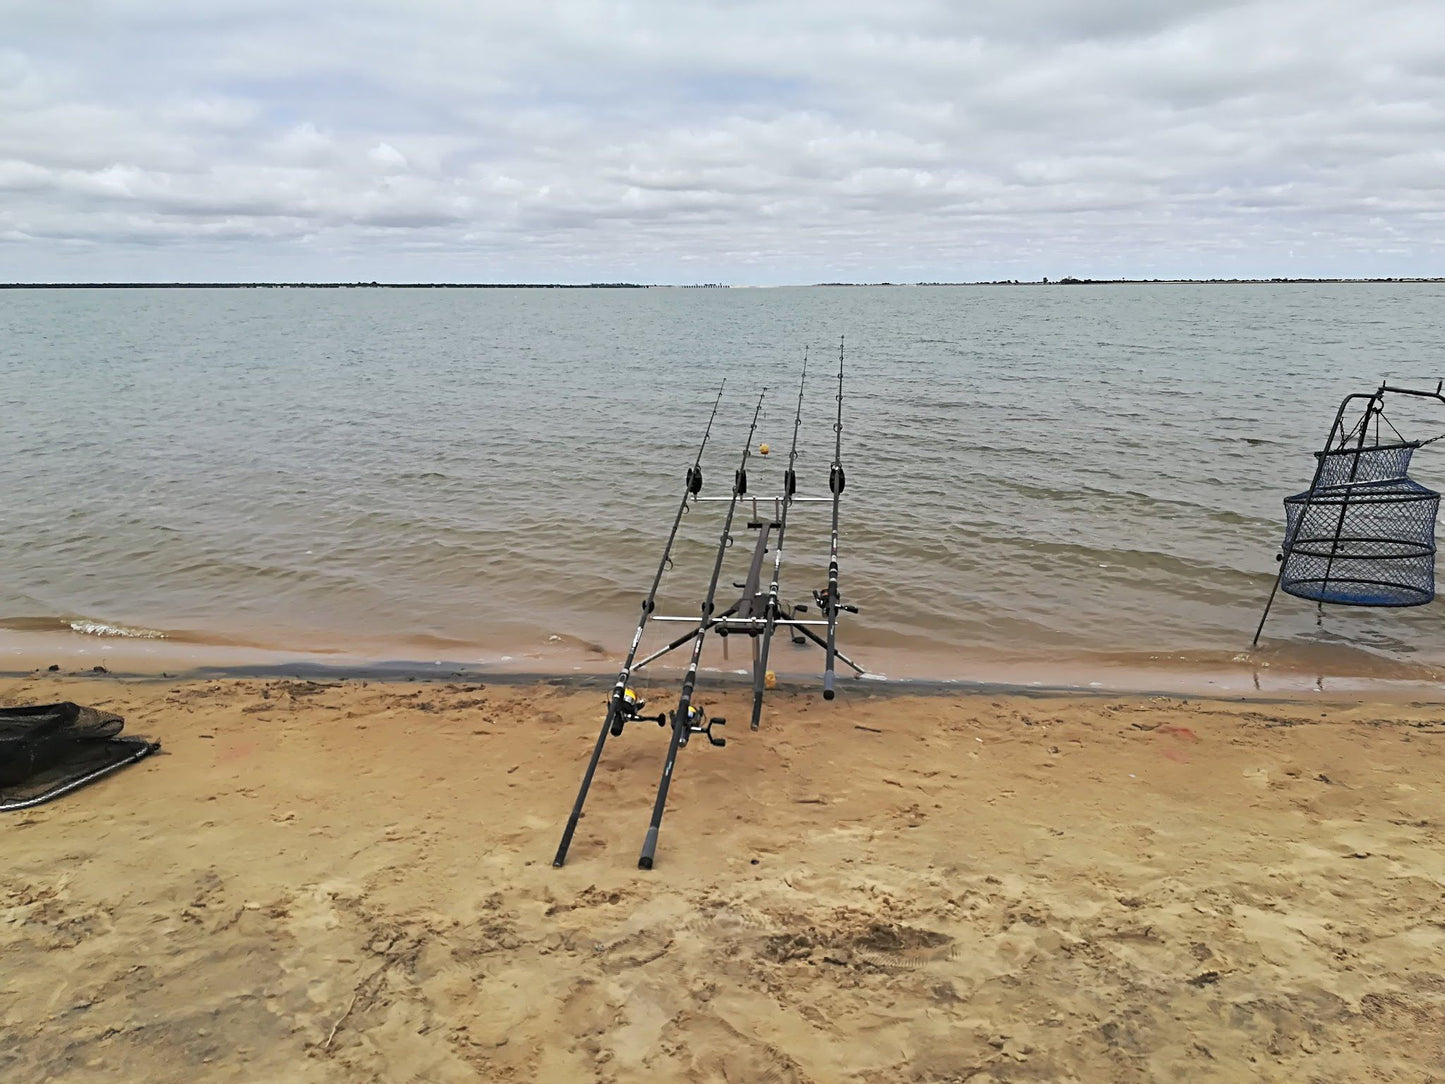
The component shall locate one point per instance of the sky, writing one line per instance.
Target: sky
(690, 141)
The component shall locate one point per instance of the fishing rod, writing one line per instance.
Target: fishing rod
(622, 706)
(687, 719)
(790, 487)
(833, 603)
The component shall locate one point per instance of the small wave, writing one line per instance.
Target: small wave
(564, 639)
(422, 476)
(435, 641)
(86, 626)
(92, 626)
(1336, 660)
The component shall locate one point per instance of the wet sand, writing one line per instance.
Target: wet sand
(328, 881)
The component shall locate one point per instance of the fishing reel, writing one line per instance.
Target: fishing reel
(629, 710)
(821, 598)
(699, 723)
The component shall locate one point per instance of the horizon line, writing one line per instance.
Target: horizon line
(1067, 280)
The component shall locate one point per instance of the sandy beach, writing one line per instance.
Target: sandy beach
(352, 881)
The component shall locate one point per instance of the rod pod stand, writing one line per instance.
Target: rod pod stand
(757, 614)
(760, 611)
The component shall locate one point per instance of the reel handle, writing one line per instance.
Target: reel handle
(704, 727)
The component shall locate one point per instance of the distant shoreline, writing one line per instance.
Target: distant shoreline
(321, 286)
(1068, 280)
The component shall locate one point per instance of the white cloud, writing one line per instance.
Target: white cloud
(387, 157)
(747, 141)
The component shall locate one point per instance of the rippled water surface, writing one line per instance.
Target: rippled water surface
(1038, 478)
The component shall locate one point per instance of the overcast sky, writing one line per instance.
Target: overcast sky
(683, 141)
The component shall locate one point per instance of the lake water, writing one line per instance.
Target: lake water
(1044, 483)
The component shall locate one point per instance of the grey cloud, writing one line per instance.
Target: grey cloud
(730, 140)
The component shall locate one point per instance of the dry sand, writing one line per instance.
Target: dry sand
(353, 882)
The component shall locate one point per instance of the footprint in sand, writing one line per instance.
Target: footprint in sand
(889, 946)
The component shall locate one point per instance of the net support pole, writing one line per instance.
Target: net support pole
(1278, 576)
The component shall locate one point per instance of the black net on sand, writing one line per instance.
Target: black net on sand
(51, 749)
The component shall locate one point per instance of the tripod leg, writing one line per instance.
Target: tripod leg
(760, 676)
(1272, 591)
(669, 648)
(660, 652)
(792, 614)
(686, 638)
(760, 671)
(811, 635)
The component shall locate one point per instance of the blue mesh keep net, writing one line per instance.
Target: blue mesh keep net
(1364, 535)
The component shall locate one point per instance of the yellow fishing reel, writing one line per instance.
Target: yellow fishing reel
(699, 723)
(629, 710)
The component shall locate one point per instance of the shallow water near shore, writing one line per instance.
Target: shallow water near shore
(1040, 480)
